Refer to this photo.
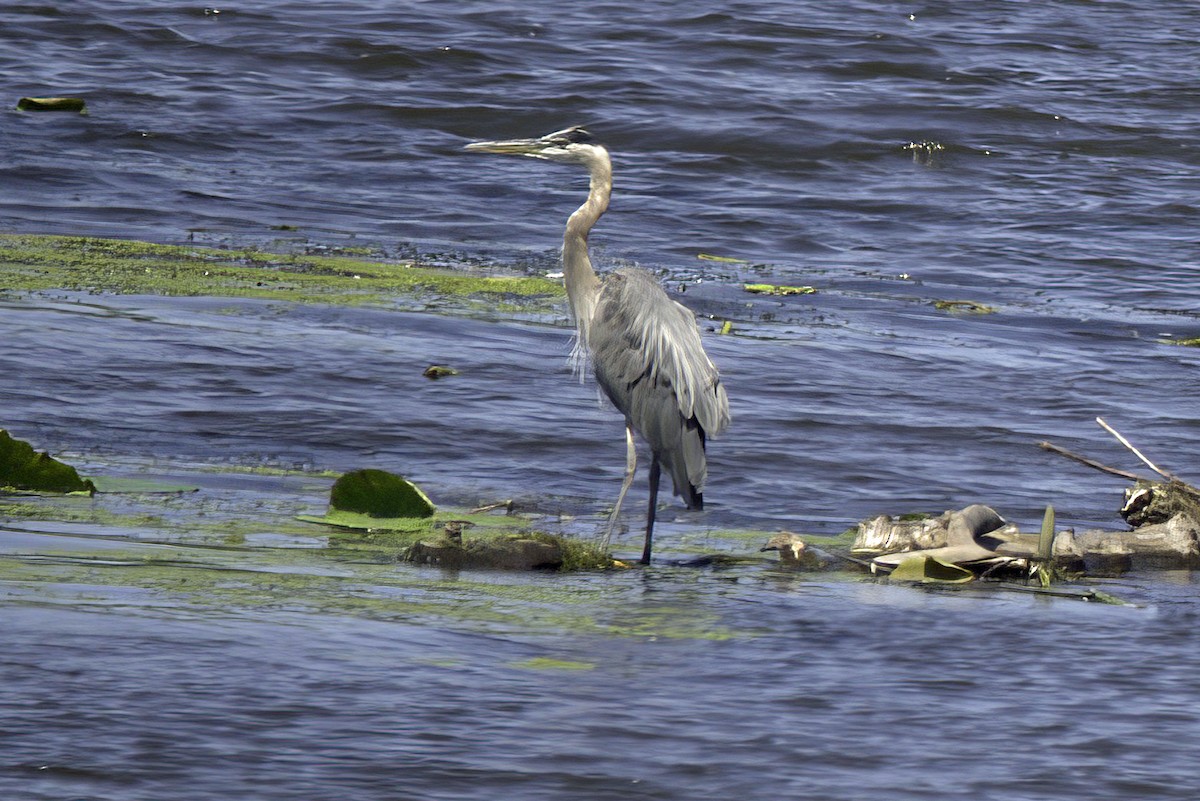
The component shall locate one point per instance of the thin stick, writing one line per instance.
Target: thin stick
(506, 505)
(1048, 446)
(1136, 452)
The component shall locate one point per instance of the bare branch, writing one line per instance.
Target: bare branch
(1135, 451)
(1048, 446)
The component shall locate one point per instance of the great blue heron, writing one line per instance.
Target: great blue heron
(645, 348)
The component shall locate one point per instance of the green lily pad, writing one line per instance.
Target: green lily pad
(930, 569)
(357, 521)
(379, 494)
(21, 467)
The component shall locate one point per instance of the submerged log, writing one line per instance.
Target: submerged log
(979, 538)
(1170, 545)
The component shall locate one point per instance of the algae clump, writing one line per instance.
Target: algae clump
(21, 467)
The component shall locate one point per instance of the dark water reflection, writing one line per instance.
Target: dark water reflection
(1063, 194)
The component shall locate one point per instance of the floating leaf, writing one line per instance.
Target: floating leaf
(23, 468)
(378, 493)
(774, 289)
(357, 521)
(930, 569)
(52, 104)
(438, 371)
(1045, 567)
(722, 259)
(1046, 539)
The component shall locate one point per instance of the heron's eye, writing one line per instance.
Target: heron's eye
(577, 136)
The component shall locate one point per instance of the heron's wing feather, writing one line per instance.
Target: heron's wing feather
(650, 361)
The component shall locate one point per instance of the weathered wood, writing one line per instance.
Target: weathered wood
(498, 554)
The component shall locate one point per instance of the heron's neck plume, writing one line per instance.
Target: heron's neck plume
(583, 287)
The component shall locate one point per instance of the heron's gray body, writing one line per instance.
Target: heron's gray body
(645, 348)
(649, 361)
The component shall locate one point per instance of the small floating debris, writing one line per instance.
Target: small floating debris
(924, 153)
(1194, 342)
(963, 307)
(22, 468)
(75, 104)
(722, 259)
(795, 553)
(776, 289)
(436, 371)
(726, 327)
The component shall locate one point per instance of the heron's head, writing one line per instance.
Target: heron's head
(571, 145)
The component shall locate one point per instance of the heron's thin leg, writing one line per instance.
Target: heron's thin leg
(630, 466)
(655, 471)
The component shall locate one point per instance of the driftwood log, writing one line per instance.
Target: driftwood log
(496, 554)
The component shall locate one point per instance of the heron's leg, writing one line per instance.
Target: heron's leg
(655, 471)
(630, 466)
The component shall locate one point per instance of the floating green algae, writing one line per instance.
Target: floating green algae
(548, 663)
(35, 263)
(963, 307)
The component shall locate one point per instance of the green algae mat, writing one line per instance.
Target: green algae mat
(36, 263)
(192, 542)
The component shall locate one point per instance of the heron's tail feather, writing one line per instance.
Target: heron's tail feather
(684, 458)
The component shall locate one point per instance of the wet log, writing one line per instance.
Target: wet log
(1170, 545)
(496, 553)
(976, 535)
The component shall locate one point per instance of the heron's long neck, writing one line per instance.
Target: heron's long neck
(583, 287)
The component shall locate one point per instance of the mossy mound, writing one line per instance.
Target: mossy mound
(23, 468)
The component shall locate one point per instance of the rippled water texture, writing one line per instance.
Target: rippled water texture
(1040, 158)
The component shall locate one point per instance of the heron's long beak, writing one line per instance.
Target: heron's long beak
(509, 147)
